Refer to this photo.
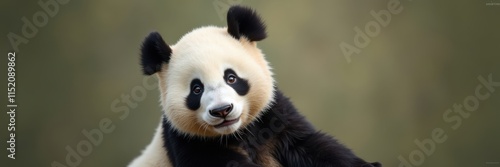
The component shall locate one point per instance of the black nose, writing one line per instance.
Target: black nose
(222, 111)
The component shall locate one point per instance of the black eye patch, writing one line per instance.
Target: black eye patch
(241, 85)
(195, 92)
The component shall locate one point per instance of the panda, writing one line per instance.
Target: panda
(222, 107)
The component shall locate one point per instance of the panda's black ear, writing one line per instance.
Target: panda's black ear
(243, 21)
(154, 53)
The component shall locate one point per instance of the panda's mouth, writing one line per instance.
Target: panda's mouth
(227, 123)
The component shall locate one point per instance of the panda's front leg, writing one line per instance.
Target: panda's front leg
(329, 152)
(318, 149)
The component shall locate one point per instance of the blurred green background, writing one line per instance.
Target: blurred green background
(392, 93)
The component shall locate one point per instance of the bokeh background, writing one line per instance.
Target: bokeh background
(392, 93)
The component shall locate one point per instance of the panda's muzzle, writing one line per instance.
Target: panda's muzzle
(222, 111)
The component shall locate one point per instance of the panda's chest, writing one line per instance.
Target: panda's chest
(268, 160)
(262, 154)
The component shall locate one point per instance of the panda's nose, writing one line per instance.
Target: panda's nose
(222, 111)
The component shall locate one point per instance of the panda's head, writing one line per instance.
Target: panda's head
(214, 81)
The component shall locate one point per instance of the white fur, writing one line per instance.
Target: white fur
(220, 95)
(154, 155)
(205, 53)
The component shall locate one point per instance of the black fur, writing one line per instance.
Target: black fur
(154, 53)
(193, 100)
(297, 143)
(241, 86)
(242, 21)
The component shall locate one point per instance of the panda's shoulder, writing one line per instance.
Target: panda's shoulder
(283, 119)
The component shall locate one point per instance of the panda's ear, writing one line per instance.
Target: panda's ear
(154, 53)
(243, 21)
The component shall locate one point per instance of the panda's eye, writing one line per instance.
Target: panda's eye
(197, 89)
(231, 79)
